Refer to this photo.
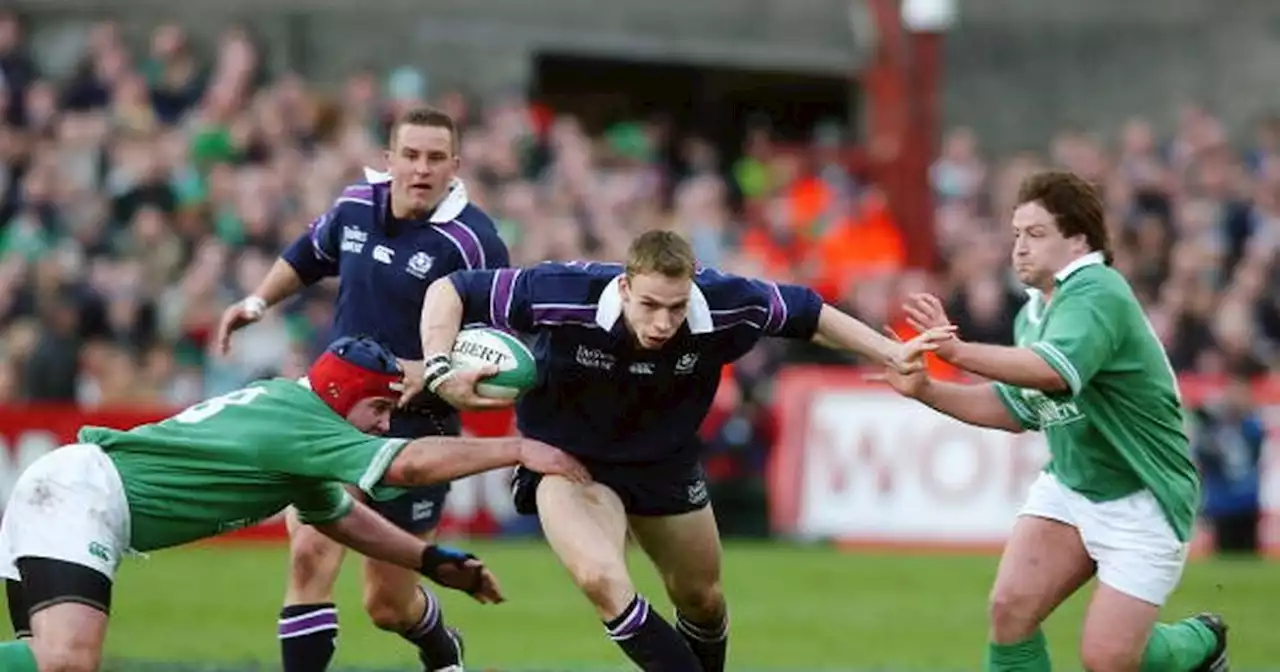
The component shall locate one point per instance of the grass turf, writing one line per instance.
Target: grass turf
(794, 608)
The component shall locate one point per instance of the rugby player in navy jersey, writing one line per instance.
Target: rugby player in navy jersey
(386, 239)
(629, 358)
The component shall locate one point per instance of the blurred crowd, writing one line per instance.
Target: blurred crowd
(149, 190)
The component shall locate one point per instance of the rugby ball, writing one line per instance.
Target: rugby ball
(480, 346)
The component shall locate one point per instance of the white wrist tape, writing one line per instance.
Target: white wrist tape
(254, 305)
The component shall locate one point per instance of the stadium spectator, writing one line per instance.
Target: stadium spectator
(146, 188)
(1228, 439)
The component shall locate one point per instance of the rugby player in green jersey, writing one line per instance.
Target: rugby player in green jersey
(1119, 495)
(220, 465)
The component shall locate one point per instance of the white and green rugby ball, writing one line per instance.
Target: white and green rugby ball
(480, 346)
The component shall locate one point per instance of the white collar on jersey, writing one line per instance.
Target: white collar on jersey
(449, 208)
(1037, 297)
(610, 308)
(1091, 259)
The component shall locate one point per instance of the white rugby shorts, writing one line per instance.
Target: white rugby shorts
(1135, 548)
(68, 505)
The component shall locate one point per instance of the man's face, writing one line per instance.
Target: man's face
(422, 163)
(654, 306)
(372, 415)
(1039, 248)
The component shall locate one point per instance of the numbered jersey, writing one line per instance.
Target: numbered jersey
(1119, 428)
(239, 458)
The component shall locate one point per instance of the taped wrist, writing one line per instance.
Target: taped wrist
(436, 369)
(435, 557)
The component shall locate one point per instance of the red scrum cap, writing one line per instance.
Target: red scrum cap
(352, 369)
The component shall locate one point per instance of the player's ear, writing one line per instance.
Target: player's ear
(624, 287)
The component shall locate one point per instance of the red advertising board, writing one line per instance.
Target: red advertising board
(861, 465)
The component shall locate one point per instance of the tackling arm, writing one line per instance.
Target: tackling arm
(370, 534)
(839, 331)
(972, 404)
(1019, 367)
(440, 459)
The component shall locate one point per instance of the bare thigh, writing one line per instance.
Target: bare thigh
(1044, 562)
(586, 526)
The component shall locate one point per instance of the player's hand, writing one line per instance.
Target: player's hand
(544, 459)
(909, 383)
(462, 571)
(237, 316)
(925, 312)
(908, 358)
(413, 380)
(459, 389)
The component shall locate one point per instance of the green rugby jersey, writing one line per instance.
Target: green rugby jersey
(237, 459)
(1121, 427)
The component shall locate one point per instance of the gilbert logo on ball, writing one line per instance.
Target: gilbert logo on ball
(482, 346)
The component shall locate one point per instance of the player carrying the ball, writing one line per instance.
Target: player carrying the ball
(386, 240)
(629, 358)
(1118, 499)
(221, 465)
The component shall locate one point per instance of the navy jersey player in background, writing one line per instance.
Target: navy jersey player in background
(386, 240)
(629, 359)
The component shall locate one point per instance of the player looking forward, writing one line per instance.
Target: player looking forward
(629, 359)
(1119, 496)
(386, 241)
(220, 465)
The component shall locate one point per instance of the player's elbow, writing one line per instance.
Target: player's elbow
(1052, 381)
(1040, 375)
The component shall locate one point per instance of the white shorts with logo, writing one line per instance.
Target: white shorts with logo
(69, 505)
(1135, 548)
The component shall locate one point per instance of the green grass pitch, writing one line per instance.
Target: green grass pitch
(794, 608)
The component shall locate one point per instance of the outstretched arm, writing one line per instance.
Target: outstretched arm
(1020, 367)
(979, 405)
(440, 459)
(839, 331)
(370, 534)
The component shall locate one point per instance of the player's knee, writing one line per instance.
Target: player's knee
(314, 560)
(390, 611)
(1012, 616)
(607, 585)
(702, 601)
(75, 658)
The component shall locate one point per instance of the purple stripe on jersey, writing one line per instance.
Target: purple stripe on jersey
(358, 191)
(466, 241)
(563, 313)
(317, 232)
(721, 324)
(777, 309)
(500, 295)
(310, 622)
(727, 319)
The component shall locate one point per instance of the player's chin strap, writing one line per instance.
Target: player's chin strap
(447, 567)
